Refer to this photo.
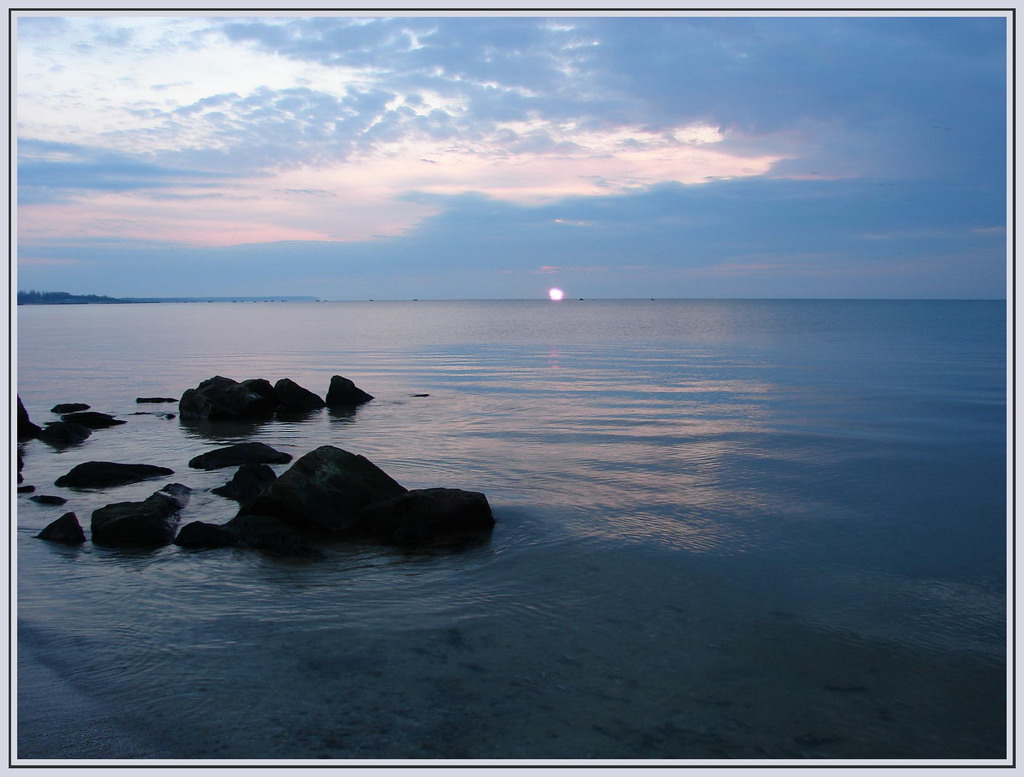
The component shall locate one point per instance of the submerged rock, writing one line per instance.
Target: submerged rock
(242, 453)
(425, 515)
(150, 523)
(343, 393)
(221, 398)
(69, 407)
(62, 433)
(248, 482)
(324, 490)
(295, 397)
(65, 530)
(26, 429)
(154, 400)
(92, 419)
(101, 474)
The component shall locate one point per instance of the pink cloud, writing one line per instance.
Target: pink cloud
(364, 197)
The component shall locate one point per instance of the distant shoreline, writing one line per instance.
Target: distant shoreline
(64, 298)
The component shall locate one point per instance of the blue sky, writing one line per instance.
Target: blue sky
(496, 156)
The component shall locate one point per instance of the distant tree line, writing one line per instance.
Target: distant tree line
(61, 298)
(64, 298)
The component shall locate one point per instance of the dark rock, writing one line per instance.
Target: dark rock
(420, 395)
(295, 397)
(61, 433)
(263, 388)
(26, 429)
(92, 419)
(66, 530)
(21, 465)
(154, 400)
(200, 535)
(150, 523)
(177, 493)
(101, 474)
(264, 532)
(343, 392)
(220, 398)
(324, 490)
(248, 482)
(260, 532)
(69, 407)
(242, 453)
(44, 499)
(26, 489)
(424, 515)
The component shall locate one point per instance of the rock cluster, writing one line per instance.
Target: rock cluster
(331, 492)
(75, 425)
(328, 493)
(224, 399)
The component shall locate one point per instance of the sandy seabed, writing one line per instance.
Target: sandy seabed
(775, 689)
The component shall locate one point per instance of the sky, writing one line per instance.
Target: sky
(497, 155)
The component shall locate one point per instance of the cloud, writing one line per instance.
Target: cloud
(50, 171)
(701, 149)
(824, 97)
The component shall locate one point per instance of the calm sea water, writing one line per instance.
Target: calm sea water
(725, 530)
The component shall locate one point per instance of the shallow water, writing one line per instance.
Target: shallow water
(725, 530)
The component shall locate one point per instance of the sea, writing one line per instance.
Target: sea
(727, 532)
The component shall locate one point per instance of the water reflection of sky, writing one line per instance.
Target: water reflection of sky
(701, 425)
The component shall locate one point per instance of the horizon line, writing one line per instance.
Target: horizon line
(142, 299)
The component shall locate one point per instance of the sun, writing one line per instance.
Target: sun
(556, 294)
